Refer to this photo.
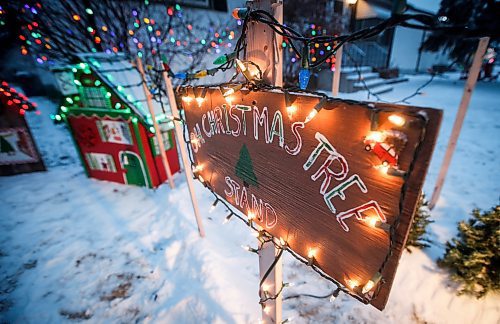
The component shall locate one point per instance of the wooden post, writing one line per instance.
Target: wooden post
(185, 160)
(158, 134)
(264, 49)
(336, 73)
(459, 119)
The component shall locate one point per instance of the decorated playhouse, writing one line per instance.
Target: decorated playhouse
(105, 109)
(18, 152)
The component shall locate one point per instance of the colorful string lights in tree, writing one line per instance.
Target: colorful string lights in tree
(53, 31)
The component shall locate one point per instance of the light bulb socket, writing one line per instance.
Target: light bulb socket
(374, 120)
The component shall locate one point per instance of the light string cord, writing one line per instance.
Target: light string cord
(392, 237)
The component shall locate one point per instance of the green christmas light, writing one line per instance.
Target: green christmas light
(108, 94)
(69, 100)
(152, 129)
(118, 105)
(97, 83)
(224, 58)
(64, 109)
(89, 11)
(78, 83)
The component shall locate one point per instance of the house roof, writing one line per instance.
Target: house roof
(10, 97)
(121, 76)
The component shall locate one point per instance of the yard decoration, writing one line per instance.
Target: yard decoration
(112, 129)
(18, 151)
(336, 183)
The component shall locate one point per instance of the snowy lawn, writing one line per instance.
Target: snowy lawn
(73, 248)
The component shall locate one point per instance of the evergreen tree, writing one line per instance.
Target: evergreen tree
(473, 257)
(481, 14)
(244, 168)
(418, 232)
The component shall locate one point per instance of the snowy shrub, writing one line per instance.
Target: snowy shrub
(418, 232)
(473, 256)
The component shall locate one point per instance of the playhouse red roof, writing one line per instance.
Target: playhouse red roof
(10, 97)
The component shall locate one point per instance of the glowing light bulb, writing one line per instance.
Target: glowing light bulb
(352, 283)
(228, 218)
(375, 136)
(311, 115)
(283, 242)
(251, 217)
(310, 256)
(383, 168)
(198, 168)
(200, 100)
(291, 110)
(372, 221)
(397, 120)
(187, 99)
(371, 283)
(229, 100)
(240, 65)
(212, 208)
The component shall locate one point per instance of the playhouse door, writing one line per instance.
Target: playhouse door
(134, 170)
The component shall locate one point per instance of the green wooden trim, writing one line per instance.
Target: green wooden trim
(124, 113)
(143, 154)
(80, 155)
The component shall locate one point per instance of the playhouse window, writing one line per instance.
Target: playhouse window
(167, 142)
(100, 162)
(114, 132)
(95, 97)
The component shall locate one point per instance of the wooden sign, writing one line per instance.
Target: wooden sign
(337, 180)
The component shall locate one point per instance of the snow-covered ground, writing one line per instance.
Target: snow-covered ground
(73, 248)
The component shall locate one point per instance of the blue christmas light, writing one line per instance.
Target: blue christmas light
(304, 73)
(304, 76)
(181, 75)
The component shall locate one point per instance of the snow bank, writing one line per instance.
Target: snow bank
(73, 248)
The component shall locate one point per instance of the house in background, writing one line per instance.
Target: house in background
(397, 47)
(377, 63)
(18, 151)
(105, 110)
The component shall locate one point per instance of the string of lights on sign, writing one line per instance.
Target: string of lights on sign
(253, 82)
(190, 100)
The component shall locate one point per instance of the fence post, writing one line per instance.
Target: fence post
(459, 119)
(264, 49)
(158, 134)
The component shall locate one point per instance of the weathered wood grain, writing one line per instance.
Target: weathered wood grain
(303, 217)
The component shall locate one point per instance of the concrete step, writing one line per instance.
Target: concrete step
(353, 69)
(381, 89)
(364, 76)
(396, 80)
(369, 83)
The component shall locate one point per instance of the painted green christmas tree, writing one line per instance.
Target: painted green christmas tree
(473, 256)
(418, 231)
(244, 168)
(5, 146)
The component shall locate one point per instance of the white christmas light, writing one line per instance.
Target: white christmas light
(397, 120)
